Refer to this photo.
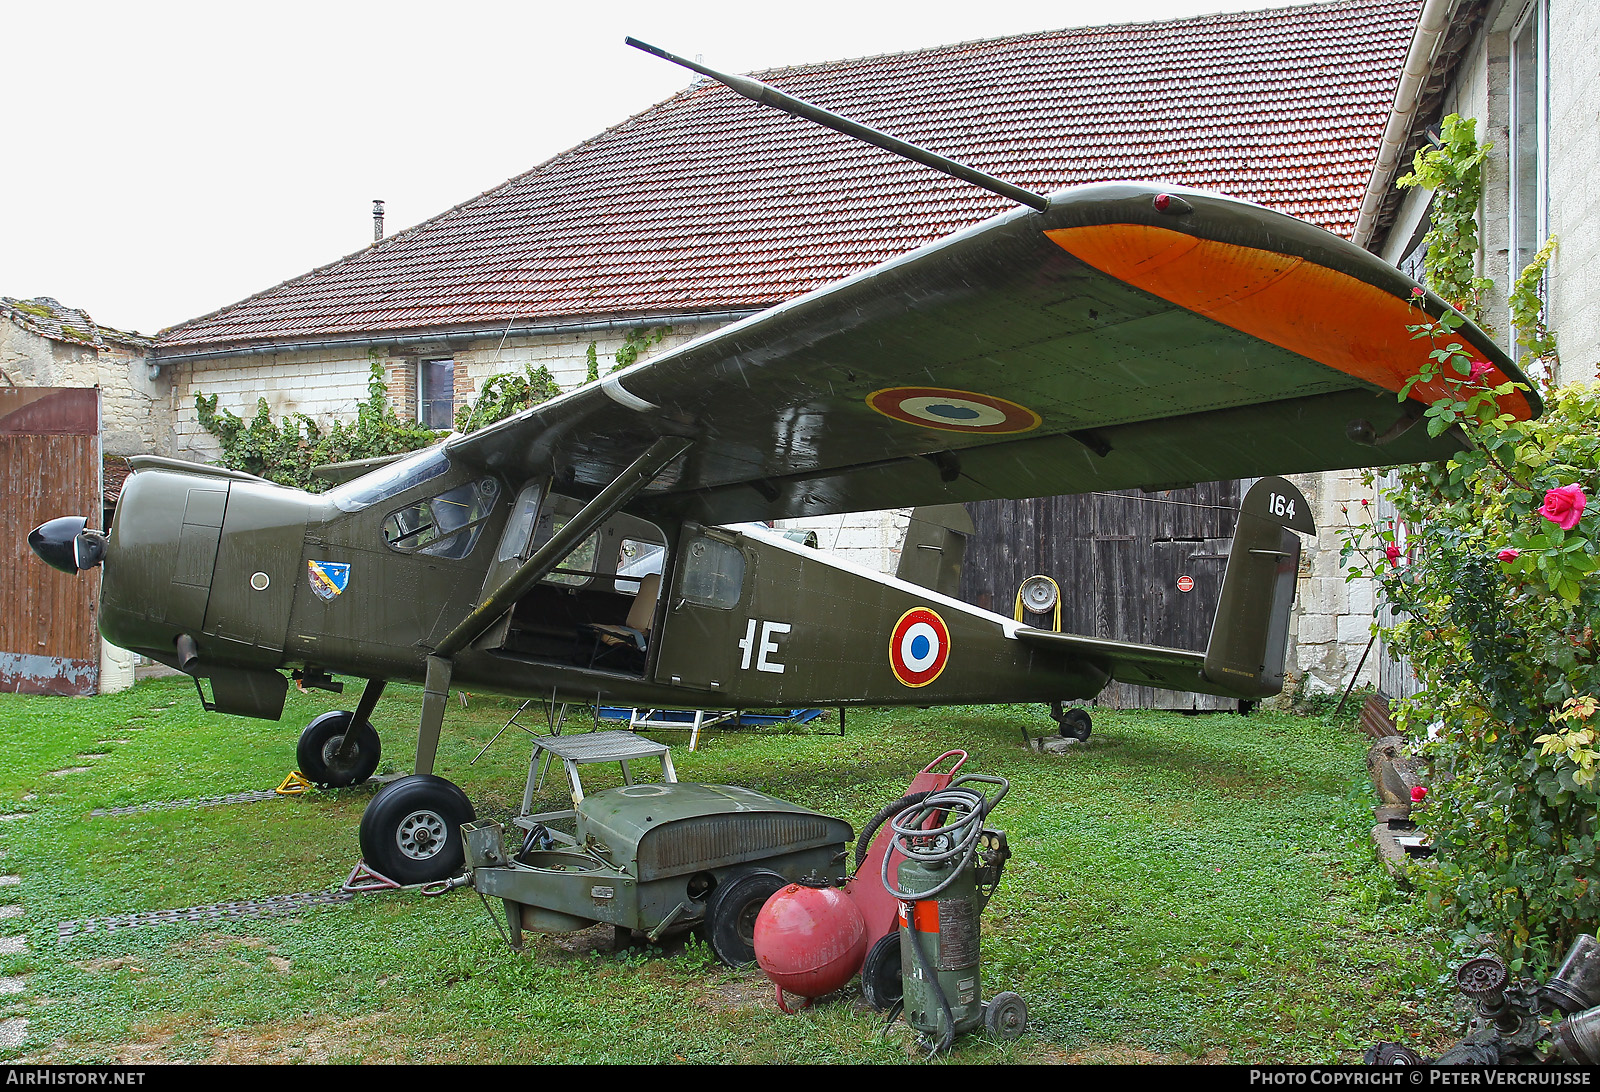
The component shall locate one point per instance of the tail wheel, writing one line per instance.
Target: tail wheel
(1075, 724)
(732, 910)
(320, 744)
(411, 832)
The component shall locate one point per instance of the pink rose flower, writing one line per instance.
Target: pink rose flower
(1393, 554)
(1480, 368)
(1416, 293)
(1509, 554)
(1418, 793)
(1564, 506)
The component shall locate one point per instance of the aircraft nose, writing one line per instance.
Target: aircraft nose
(67, 544)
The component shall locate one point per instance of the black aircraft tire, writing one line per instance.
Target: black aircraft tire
(411, 831)
(731, 914)
(881, 984)
(1076, 724)
(885, 813)
(317, 752)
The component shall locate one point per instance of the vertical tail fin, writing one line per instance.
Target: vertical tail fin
(1251, 628)
(936, 543)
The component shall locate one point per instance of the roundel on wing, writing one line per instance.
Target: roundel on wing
(953, 411)
(919, 647)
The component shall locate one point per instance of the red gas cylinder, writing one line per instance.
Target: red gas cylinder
(810, 940)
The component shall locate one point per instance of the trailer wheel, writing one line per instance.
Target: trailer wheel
(731, 914)
(318, 751)
(411, 832)
(881, 984)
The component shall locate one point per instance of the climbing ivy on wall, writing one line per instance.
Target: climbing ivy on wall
(285, 451)
(1453, 170)
(634, 344)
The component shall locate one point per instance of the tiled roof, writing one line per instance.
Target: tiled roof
(58, 322)
(707, 201)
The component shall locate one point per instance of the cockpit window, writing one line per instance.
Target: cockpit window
(387, 481)
(713, 574)
(444, 526)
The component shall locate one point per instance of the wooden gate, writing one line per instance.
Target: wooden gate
(49, 467)
(1121, 560)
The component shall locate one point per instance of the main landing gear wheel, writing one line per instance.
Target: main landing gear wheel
(731, 914)
(1005, 1017)
(318, 751)
(411, 832)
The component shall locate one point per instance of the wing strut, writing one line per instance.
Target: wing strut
(771, 96)
(640, 473)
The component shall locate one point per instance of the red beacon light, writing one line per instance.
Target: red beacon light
(1170, 205)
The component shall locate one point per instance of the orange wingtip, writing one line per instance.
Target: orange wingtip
(1320, 313)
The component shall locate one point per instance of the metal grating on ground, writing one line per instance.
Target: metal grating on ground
(251, 797)
(254, 796)
(272, 906)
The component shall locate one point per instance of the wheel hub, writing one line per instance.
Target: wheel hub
(421, 835)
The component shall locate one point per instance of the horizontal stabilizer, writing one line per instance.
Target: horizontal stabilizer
(1244, 657)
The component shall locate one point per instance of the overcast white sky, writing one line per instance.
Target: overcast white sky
(161, 159)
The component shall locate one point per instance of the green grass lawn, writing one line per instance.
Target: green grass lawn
(1182, 888)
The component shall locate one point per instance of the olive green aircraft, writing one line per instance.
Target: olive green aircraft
(599, 547)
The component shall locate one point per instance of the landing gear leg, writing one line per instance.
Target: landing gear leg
(342, 748)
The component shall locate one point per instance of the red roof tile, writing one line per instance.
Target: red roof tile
(708, 202)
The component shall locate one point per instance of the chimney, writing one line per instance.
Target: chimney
(377, 220)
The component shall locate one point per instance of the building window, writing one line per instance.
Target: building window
(436, 393)
(1529, 70)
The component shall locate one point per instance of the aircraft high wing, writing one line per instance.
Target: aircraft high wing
(1127, 336)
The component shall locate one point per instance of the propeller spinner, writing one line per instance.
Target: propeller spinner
(67, 544)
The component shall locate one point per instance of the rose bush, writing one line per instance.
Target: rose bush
(1497, 611)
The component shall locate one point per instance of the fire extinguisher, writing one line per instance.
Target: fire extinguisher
(951, 868)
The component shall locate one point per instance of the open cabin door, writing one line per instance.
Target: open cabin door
(598, 607)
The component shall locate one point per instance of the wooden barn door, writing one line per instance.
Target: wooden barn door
(49, 467)
(1133, 566)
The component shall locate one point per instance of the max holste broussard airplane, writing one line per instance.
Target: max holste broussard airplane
(1108, 336)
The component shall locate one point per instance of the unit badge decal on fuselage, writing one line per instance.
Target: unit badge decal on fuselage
(919, 646)
(328, 578)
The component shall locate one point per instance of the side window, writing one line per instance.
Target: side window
(444, 526)
(713, 573)
(519, 528)
(581, 558)
(636, 559)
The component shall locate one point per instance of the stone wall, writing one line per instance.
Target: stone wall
(1332, 621)
(136, 411)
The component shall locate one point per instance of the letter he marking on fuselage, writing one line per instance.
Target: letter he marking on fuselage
(769, 645)
(765, 649)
